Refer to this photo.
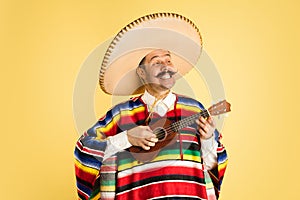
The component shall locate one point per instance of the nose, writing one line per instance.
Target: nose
(167, 67)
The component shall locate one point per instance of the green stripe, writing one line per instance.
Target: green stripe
(169, 152)
(108, 182)
(185, 131)
(125, 161)
(191, 152)
(95, 192)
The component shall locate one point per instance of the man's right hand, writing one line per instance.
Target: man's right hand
(142, 136)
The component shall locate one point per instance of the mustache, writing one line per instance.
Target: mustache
(171, 73)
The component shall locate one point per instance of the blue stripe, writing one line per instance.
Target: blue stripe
(126, 106)
(84, 188)
(222, 157)
(88, 160)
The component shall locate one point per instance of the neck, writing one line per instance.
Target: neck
(157, 94)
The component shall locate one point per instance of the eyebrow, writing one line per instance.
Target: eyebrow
(167, 54)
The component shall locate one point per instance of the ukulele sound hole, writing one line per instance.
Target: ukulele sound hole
(160, 133)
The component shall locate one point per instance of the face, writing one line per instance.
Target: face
(158, 71)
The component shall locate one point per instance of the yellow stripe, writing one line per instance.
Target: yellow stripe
(158, 158)
(222, 165)
(132, 112)
(85, 168)
(96, 197)
(128, 165)
(209, 185)
(107, 188)
(109, 125)
(117, 118)
(192, 158)
(187, 107)
(177, 156)
(167, 157)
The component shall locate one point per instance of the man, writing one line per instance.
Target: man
(190, 168)
(156, 72)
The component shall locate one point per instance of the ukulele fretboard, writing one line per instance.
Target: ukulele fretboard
(177, 126)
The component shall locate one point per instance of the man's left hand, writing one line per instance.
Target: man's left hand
(206, 127)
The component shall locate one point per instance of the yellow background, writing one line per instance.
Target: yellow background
(254, 44)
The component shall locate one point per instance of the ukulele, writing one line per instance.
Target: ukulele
(167, 131)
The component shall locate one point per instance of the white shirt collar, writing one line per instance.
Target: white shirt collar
(161, 106)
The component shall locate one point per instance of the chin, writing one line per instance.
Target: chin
(168, 85)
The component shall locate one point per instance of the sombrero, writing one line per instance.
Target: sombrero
(168, 31)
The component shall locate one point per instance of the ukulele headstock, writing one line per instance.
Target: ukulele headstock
(219, 108)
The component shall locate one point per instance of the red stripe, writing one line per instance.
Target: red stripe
(105, 168)
(163, 189)
(220, 149)
(113, 130)
(188, 171)
(135, 98)
(84, 175)
(169, 114)
(102, 118)
(79, 145)
(221, 172)
(189, 137)
(83, 194)
(88, 150)
(186, 113)
(133, 117)
(98, 153)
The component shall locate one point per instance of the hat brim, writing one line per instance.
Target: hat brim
(118, 71)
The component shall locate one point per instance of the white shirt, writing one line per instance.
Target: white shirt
(120, 141)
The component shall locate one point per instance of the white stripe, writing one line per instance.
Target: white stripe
(110, 195)
(112, 171)
(84, 151)
(83, 192)
(189, 141)
(220, 150)
(176, 196)
(157, 165)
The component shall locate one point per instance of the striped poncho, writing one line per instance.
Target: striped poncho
(177, 172)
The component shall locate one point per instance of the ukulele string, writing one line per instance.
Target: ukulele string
(188, 120)
(176, 126)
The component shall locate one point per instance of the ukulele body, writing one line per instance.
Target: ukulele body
(166, 136)
(167, 130)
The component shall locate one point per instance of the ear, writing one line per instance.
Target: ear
(141, 73)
